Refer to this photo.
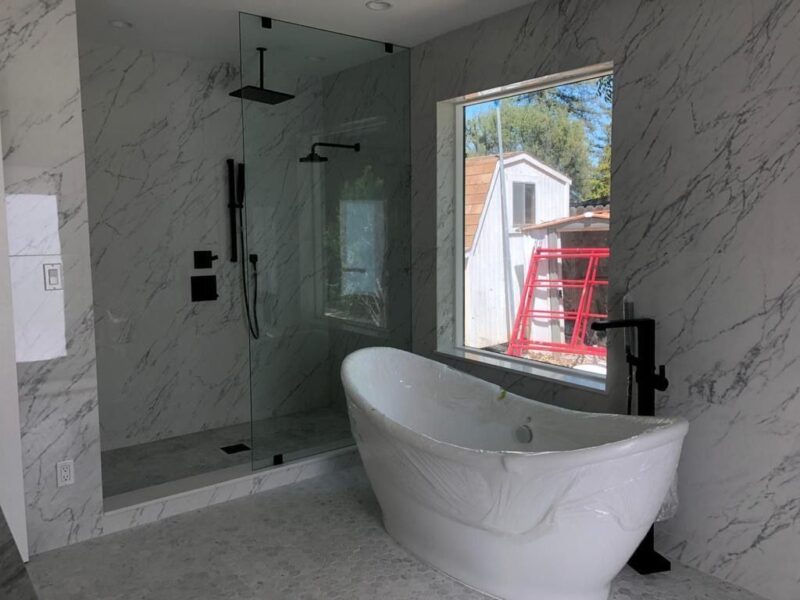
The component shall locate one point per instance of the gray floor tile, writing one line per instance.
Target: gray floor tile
(317, 540)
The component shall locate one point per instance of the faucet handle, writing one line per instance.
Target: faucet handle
(660, 381)
(630, 357)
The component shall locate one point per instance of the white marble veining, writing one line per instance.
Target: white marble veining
(43, 156)
(705, 172)
(158, 129)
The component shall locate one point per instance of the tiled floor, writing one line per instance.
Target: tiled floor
(317, 540)
(154, 463)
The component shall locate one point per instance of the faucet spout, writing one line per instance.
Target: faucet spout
(648, 378)
(622, 323)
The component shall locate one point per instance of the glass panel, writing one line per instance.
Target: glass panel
(331, 231)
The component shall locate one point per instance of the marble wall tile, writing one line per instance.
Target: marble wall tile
(158, 129)
(43, 156)
(705, 168)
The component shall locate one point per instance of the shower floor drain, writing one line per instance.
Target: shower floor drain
(235, 448)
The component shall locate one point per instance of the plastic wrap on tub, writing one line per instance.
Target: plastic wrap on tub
(669, 507)
(518, 494)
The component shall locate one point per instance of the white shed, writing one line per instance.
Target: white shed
(535, 193)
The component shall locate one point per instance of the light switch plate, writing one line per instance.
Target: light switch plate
(53, 279)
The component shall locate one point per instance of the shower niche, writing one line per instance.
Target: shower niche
(319, 254)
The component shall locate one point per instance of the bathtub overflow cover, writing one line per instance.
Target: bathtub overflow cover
(524, 434)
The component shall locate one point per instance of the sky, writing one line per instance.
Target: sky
(594, 129)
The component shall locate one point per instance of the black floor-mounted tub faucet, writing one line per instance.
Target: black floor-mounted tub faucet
(645, 559)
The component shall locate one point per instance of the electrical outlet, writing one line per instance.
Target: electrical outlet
(65, 473)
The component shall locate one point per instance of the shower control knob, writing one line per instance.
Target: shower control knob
(204, 259)
(660, 381)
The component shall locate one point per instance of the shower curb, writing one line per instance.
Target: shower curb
(118, 518)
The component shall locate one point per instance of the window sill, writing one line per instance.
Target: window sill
(356, 326)
(552, 374)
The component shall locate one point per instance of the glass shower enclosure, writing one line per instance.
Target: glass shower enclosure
(327, 205)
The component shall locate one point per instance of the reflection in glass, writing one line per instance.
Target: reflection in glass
(356, 280)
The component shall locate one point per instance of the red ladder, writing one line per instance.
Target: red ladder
(520, 340)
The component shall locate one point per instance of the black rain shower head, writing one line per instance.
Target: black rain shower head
(256, 94)
(260, 93)
(313, 157)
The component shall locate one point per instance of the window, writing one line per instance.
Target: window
(535, 204)
(524, 204)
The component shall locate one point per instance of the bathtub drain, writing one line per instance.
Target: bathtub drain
(524, 434)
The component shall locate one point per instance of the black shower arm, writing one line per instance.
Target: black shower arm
(356, 146)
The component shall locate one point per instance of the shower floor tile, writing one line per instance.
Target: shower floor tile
(154, 463)
(318, 540)
(300, 434)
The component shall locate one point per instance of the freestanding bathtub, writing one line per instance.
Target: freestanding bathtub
(515, 498)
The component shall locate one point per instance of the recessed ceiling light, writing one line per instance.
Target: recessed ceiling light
(378, 5)
(120, 24)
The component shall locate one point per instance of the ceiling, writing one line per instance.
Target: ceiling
(210, 28)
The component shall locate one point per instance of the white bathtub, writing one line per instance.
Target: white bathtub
(554, 518)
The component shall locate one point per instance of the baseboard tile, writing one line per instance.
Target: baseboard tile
(138, 508)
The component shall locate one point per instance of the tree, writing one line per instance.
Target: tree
(600, 184)
(558, 126)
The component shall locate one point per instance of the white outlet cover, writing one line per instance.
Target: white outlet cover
(65, 473)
